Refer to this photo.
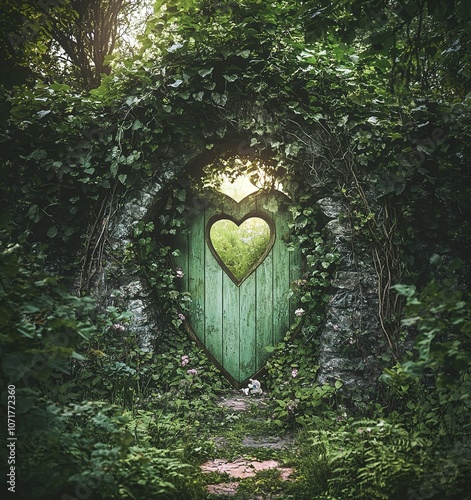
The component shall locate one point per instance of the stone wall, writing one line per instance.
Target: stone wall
(351, 337)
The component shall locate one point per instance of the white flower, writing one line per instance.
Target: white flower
(299, 312)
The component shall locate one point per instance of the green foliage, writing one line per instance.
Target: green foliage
(89, 447)
(240, 247)
(362, 459)
(116, 369)
(72, 439)
(41, 323)
(434, 382)
(290, 374)
(265, 482)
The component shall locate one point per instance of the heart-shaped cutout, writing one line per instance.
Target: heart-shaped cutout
(240, 246)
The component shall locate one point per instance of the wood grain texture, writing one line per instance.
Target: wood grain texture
(236, 322)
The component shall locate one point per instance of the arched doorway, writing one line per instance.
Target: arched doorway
(236, 317)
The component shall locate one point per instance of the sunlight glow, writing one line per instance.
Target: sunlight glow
(237, 189)
(243, 185)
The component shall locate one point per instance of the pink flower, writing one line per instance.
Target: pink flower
(185, 360)
(299, 312)
(192, 371)
(294, 372)
(118, 327)
(181, 316)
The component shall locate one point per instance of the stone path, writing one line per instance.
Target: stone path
(241, 468)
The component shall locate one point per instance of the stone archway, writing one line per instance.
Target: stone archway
(350, 312)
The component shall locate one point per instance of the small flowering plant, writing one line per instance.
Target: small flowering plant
(178, 319)
(118, 327)
(299, 312)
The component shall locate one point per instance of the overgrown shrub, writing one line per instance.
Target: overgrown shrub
(362, 459)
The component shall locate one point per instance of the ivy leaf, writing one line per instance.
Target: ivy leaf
(29, 309)
(435, 259)
(219, 99)
(131, 100)
(114, 168)
(271, 205)
(230, 78)
(15, 365)
(52, 232)
(243, 53)
(43, 113)
(176, 84)
(76, 355)
(205, 72)
(405, 290)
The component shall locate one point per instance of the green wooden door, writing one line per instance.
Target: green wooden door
(235, 320)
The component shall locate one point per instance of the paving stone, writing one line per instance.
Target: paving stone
(241, 468)
(227, 489)
(271, 442)
(239, 402)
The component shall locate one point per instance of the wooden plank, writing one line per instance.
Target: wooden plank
(230, 329)
(264, 294)
(213, 299)
(229, 311)
(196, 275)
(247, 328)
(281, 278)
(264, 309)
